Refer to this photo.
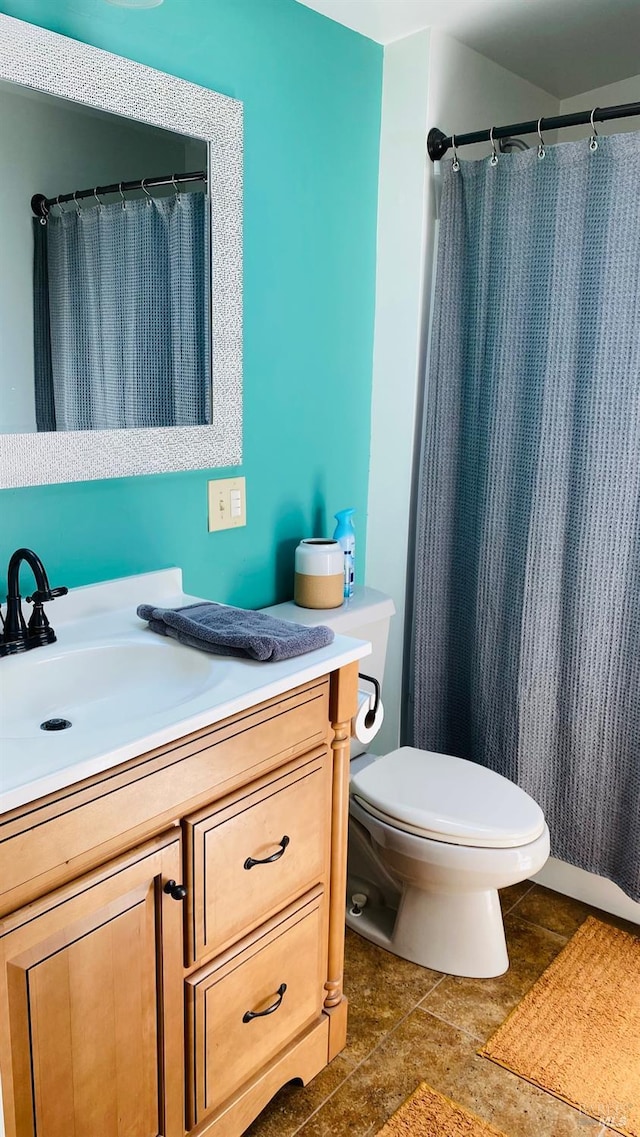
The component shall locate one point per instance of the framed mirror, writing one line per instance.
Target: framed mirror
(121, 278)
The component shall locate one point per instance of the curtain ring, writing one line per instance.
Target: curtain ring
(76, 202)
(593, 141)
(143, 187)
(122, 197)
(95, 194)
(174, 184)
(494, 154)
(541, 150)
(455, 165)
(60, 209)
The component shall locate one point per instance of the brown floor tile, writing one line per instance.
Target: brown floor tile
(381, 989)
(479, 1006)
(510, 896)
(423, 1048)
(551, 910)
(563, 914)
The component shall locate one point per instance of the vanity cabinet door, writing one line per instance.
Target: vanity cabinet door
(91, 1004)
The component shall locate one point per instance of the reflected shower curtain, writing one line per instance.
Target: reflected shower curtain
(526, 645)
(121, 331)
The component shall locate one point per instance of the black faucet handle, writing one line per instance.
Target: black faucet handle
(44, 596)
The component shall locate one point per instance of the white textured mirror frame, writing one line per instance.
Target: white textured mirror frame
(45, 61)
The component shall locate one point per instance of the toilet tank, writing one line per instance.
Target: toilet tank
(365, 616)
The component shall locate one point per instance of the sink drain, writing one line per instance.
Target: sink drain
(55, 724)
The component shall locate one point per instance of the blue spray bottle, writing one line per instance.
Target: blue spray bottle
(345, 535)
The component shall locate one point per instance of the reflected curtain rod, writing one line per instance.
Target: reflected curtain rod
(41, 205)
(438, 143)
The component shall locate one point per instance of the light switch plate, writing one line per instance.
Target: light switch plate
(227, 504)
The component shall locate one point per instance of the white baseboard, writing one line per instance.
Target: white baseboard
(589, 888)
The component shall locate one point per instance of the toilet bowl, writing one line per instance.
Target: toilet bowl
(432, 837)
(448, 833)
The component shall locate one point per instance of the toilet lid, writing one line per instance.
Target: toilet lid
(447, 799)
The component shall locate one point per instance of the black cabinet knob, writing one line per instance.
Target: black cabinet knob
(176, 891)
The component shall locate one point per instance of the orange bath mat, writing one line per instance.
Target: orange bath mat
(576, 1034)
(429, 1114)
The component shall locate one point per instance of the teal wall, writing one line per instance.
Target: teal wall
(311, 91)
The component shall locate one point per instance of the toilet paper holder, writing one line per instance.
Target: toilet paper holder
(372, 712)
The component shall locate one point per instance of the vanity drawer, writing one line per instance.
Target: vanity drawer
(255, 852)
(244, 1009)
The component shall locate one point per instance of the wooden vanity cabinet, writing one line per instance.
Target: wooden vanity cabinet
(200, 884)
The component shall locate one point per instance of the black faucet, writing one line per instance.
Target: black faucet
(17, 635)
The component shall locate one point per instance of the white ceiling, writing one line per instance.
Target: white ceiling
(563, 46)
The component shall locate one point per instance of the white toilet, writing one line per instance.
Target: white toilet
(431, 837)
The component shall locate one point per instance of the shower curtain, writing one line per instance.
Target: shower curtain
(526, 636)
(121, 331)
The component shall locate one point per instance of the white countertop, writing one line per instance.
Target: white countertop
(35, 762)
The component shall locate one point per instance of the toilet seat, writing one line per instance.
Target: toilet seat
(448, 799)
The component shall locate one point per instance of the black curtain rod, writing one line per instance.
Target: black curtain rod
(41, 205)
(438, 143)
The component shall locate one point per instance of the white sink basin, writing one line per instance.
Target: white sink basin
(99, 684)
(124, 689)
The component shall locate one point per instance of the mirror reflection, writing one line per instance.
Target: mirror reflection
(104, 306)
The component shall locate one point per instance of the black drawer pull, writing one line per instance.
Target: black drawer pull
(249, 1015)
(250, 861)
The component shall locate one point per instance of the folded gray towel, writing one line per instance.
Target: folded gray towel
(235, 631)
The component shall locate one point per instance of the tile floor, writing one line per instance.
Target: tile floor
(408, 1024)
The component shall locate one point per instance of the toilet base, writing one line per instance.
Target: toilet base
(456, 933)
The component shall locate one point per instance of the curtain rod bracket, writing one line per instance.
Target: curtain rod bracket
(435, 144)
(39, 206)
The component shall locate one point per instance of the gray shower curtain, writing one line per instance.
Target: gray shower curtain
(121, 329)
(526, 637)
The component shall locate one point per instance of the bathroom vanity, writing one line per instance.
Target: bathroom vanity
(172, 908)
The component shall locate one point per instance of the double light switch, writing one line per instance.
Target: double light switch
(227, 504)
